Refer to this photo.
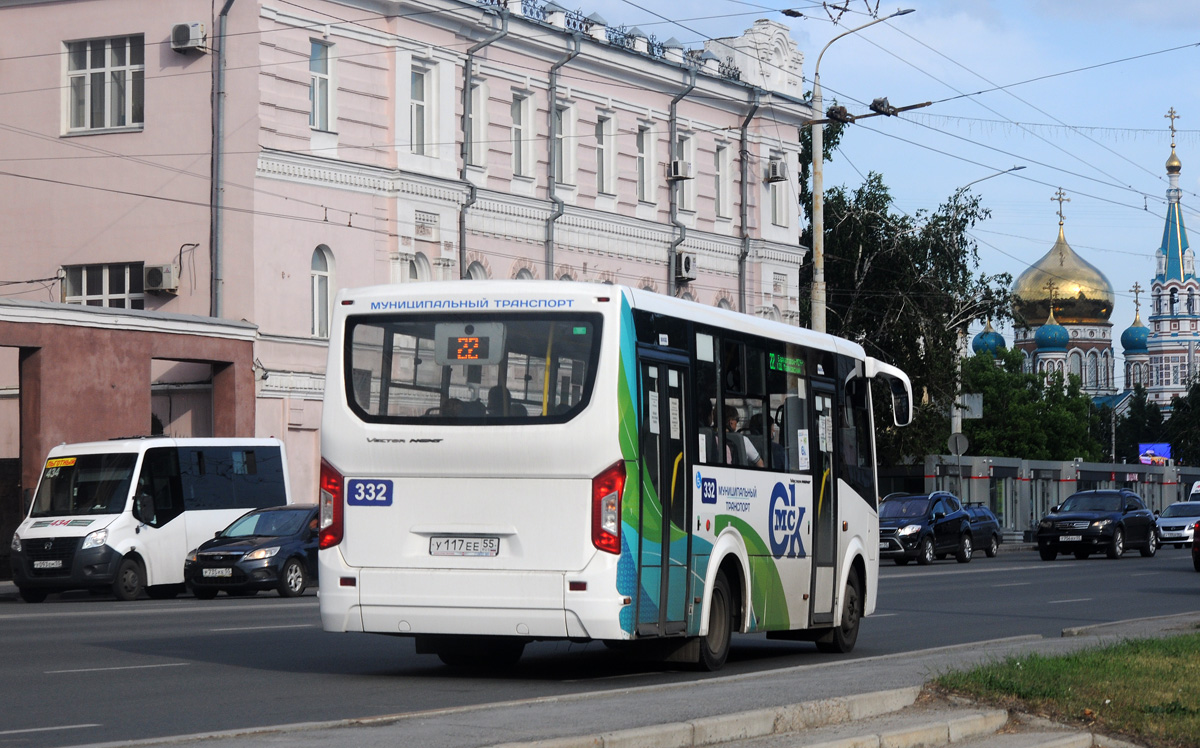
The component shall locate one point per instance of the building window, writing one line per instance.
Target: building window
(106, 83)
(118, 285)
(419, 110)
(644, 155)
(604, 155)
(318, 90)
(686, 187)
(476, 271)
(321, 266)
(519, 122)
(721, 184)
(779, 193)
(477, 144)
(558, 148)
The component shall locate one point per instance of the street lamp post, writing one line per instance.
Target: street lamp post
(963, 189)
(818, 135)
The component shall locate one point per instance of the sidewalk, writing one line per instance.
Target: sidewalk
(871, 702)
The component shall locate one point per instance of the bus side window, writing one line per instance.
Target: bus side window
(856, 440)
(157, 499)
(707, 418)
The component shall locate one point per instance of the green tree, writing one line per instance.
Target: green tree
(1029, 416)
(1183, 428)
(1143, 422)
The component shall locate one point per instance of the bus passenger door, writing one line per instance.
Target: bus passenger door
(824, 529)
(663, 553)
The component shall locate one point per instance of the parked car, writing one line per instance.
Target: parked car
(1090, 522)
(1177, 523)
(924, 527)
(985, 528)
(264, 549)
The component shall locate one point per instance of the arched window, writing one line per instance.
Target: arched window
(724, 303)
(322, 268)
(1076, 364)
(476, 271)
(418, 268)
(1093, 371)
(524, 274)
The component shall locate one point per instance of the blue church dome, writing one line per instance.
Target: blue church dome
(989, 341)
(1051, 336)
(1135, 337)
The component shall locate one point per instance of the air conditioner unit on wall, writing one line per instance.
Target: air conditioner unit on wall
(160, 278)
(685, 266)
(186, 36)
(776, 170)
(679, 169)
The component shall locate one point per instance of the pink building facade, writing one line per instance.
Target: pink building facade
(245, 165)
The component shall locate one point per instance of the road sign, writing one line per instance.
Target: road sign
(958, 444)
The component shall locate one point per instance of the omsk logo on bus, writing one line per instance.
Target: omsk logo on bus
(786, 518)
(708, 489)
(368, 492)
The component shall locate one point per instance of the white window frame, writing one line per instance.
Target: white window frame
(685, 150)
(779, 192)
(477, 146)
(644, 154)
(563, 151)
(520, 135)
(722, 184)
(321, 290)
(77, 288)
(320, 86)
(420, 119)
(605, 154)
(121, 101)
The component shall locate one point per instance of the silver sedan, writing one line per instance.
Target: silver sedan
(1177, 523)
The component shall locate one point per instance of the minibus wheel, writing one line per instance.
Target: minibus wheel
(33, 594)
(129, 580)
(842, 638)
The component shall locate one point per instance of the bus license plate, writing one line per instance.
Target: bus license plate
(451, 545)
(1069, 538)
(55, 564)
(217, 572)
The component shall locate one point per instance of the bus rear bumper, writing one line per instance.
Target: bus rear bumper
(538, 605)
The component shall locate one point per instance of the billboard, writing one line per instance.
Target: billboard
(1155, 453)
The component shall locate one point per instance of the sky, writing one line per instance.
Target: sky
(1084, 92)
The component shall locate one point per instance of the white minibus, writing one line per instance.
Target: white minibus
(122, 515)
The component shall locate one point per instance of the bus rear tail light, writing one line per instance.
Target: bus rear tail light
(607, 488)
(332, 484)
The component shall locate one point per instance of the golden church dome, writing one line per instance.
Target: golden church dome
(1082, 294)
(1174, 165)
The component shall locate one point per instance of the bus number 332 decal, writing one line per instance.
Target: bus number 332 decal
(368, 492)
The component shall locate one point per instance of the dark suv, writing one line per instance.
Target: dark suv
(924, 527)
(1090, 522)
(985, 528)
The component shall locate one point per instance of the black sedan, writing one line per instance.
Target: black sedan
(923, 528)
(266, 549)
(1105, 521)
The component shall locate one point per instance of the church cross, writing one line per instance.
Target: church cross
(1137, 298)
(1060, 197)
(1171, 115)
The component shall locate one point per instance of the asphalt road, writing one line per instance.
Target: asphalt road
(86, 670)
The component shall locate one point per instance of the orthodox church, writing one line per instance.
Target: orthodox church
(1062, 310)
(1063, 304)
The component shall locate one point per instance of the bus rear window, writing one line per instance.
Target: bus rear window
(471, 369)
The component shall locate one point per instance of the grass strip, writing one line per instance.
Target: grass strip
(1145, 690)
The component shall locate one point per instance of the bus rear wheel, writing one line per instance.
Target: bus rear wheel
(842, 638)
(714, 646)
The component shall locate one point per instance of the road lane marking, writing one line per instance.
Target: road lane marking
(958, 569)
(881, 615)
(48, 729)
(186, 608)
(1014, 584)
(267, 628)
(1075, 600)
(124, 667)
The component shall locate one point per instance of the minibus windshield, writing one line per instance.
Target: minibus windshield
(84, 484)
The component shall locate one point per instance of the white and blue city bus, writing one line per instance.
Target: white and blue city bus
(509, 461)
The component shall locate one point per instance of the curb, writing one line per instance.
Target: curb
(744, 725)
